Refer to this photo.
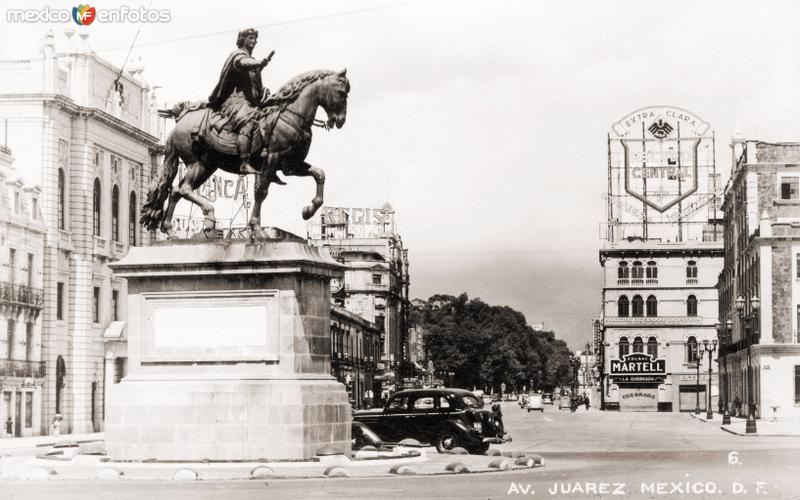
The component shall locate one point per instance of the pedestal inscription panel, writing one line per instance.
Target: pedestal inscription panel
(209, 326)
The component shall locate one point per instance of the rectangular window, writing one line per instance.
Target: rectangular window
(28, 409)
(30, 269)
(29, 342)
(96, 305)
(35, 208)
(377, 279)
(790, 188)
(797, 265)
(12, 265)
(797, 384)
(60, 301)
(114, 305)
(10, 339)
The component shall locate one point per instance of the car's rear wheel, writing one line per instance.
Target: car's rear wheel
(446, 441)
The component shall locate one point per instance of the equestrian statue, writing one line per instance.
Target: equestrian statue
(243, 129)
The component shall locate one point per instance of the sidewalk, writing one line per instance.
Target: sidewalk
(786, 427)
(42, 441)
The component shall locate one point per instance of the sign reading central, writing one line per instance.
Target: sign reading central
(661, 146)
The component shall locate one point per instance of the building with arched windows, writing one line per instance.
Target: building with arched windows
(87, 133)
(664, 317)
(661, 257)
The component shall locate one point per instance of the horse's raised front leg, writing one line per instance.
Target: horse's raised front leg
(260, 190)
(319, 177)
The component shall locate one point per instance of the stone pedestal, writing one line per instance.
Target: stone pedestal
(228, 354)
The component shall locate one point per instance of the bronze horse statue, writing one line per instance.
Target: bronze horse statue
(284, 120)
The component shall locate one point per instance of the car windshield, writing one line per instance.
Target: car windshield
(471, 402)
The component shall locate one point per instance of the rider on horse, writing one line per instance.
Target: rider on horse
(238, 94)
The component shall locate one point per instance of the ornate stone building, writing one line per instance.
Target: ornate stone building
(88, 134)
(355, 353)
(759, 287)
(376, 281)
(22, 372)
(661, 258)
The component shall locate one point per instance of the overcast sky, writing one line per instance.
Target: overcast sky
(483, 123)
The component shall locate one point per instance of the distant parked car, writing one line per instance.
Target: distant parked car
(564, 401)
(446, 418)
(535, 402)
(547, 398)
(523, 400)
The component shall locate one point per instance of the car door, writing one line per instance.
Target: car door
(394, 419)
(422, 424)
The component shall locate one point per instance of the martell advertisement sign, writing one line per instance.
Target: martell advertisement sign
(638, 368)
(661, 147)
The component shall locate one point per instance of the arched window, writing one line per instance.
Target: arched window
(652, 347)
(638, 306)
(623, 309)
(132, 220)
(691, 306)
(624, 347)
(652, 270)
(115, 213)
(623, 271)
(96, 208)
(691, 350)
(637, 271)
(62, 207)
(652, 306)
(638, 345)
(691, 270)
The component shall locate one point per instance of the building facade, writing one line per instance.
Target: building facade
(87, 133)
(22, 372)
(759, 287)
(376, 280)
(661, 257)
(660, 301)
(355, 349)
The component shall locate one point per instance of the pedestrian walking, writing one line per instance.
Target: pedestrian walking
(586, 401)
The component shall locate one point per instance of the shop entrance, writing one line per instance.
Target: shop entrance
(689, 396)
(641, 398)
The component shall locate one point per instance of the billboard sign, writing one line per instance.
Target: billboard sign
(660, 146)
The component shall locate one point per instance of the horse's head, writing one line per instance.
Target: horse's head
(333, 97)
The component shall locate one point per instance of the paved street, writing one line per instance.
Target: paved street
(644, 455)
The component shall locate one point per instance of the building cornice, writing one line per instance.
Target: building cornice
(606, 253)
(66, 104)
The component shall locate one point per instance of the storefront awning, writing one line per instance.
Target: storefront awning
(115, 331)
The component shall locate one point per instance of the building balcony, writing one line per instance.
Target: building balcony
(651, 281)
(691, 281)
(101, 247)
(20, 368)
(623, 282)
(21, 295)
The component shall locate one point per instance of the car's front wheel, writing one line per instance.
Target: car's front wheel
(446, 441)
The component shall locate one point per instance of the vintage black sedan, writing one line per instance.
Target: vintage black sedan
(445, 418)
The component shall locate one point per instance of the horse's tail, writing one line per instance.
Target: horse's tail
(160, 188)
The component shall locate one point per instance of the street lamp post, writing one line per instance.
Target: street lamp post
(752, 338)
(709, 347)
(724, 339)
(698, 356)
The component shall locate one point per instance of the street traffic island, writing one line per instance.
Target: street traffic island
(385, 462)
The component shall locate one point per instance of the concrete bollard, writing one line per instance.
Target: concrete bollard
(109, 473)
(402, 470)
(262, 472)
(537, 459)
(458, 451)
(493, 452)
(456, 468)
(500, 464)
(336, 471)
(524, 461)
(185, 475)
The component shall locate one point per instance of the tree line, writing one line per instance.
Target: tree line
(485, 346)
